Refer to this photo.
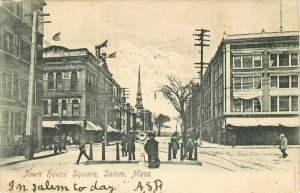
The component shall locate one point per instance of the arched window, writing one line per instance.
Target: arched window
(74, 80)
(50, 80)
(59, 82)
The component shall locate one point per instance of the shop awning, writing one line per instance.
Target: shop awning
(110, 129)
(53, 124)
(260, 121)
(93, 127)
(49, 124)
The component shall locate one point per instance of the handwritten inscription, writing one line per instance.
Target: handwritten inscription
(91, 186)
(47, 186)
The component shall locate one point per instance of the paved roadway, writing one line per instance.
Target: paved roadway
(243, 169)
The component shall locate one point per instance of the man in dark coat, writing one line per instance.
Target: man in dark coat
(82, 144)
(174, 144)
(151, 148)
(123, 144)
(131, 145)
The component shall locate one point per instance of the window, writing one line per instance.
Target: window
(25, 50)
(8, 41)
(237, 61)
(247, 106)
(16, 87)
(283, 59)
(50, 81)
(7, 85)
(54, 106)
(18, 124)
(59, 82)
(75, 107)
(247, 61)
(74, 80)
(284, 81)
(294, 59)
(294, 81)
(294, 103)
(257, 82)
(45, 107)
(273, 104)
(273, 60)
(247, 83)
(257, 107)
(273, 81)
(237, 105)
(237, 83)
(24, 89)
(16, 45)
(257, 61)
(64, 107)
(284, 103)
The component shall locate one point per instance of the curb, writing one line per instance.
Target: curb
(95, 162)
(25, 160)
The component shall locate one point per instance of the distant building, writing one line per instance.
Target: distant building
(139, 101)
(15, 52)
(251, 89)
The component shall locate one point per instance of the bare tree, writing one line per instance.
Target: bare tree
(179, 95)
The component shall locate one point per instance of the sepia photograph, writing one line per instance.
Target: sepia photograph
(136, 96)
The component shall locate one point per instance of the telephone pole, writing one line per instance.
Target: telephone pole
(201, 35)
(125, 95)
(29, 146)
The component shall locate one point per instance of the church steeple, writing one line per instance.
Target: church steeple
(139, 100)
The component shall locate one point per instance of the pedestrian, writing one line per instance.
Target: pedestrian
(124, 144)
(190, 147)
(57, 144)
(69, 139)
(131, 145)
(64, 142)
(233, 141)
(283, 145)
(82, 150)
(174, 144)
(151, 148)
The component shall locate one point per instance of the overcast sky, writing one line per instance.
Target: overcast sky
(158, 35)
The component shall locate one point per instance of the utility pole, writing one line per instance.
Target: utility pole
(125, 95)
(29, 146)
(201, 34)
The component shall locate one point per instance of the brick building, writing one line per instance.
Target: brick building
(15, 52)
(78, 86)
(251, 89)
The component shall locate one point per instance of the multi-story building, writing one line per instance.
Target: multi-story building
(77, 87)
(251, 89)
(15, 52)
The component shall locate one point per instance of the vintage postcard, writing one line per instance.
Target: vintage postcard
(154, 96)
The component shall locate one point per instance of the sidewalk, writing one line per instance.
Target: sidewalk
(206, 144)
(18, 159)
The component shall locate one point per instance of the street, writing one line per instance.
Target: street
(224, 170)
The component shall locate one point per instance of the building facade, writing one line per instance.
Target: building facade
(77, 87)
(15, 53)
(251, 89)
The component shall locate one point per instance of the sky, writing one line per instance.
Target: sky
(158, 35)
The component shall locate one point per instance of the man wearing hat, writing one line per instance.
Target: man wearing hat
(131, 145)
(283, 145)
(151, 148)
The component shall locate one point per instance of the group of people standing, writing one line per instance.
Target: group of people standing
(128, 145)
